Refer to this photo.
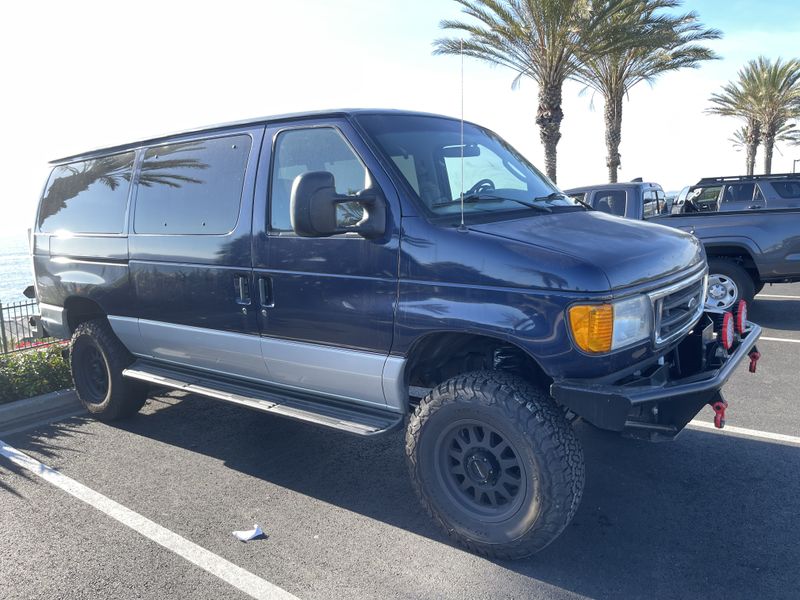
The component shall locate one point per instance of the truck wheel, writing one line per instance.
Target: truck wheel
(728, 283)
(97, 359)
(495, 463)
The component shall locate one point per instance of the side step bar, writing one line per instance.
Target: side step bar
(353, 418)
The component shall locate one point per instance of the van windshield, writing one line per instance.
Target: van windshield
(427, 152)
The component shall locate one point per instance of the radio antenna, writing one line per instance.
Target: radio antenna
(462, 227)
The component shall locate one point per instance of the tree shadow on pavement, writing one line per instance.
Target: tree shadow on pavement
(47, 441)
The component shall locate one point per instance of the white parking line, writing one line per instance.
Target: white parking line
(239, 578)
(772, 339)
(753, 433)
(778, 296)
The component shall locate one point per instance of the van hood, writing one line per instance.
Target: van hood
(628, 252)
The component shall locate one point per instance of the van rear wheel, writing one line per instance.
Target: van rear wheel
(495, 463)
(97, 359)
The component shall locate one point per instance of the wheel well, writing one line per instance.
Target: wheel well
(79, 309)
(738, 254)
(440, 356)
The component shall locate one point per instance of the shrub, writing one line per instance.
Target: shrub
(33, 372)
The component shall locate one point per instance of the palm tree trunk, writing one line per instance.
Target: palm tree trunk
(548, 117)
(752, 140)
(751, 158)
(613, 117)
(769, 143)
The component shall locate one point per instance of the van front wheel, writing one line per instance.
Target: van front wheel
(97, 359)
(495, 463)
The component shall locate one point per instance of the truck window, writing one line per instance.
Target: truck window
(192, 187)
(611, 202)
(703, 199)
(88, 196)
(787, 189)
(651, 205)
(738, 192)
(314, 149)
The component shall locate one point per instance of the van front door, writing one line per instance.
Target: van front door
(325, 305)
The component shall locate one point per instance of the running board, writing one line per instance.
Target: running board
(353, 418)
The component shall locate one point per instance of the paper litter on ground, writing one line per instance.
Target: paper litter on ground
(249, 534)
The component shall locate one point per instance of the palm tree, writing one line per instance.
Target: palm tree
(779, 100)
(740, 99)
(539, 39)
(788, 134)
(767, 97)
(651, 43)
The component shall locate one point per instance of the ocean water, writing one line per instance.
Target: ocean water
(16, 272)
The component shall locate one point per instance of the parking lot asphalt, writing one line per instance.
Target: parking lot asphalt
(708, 515)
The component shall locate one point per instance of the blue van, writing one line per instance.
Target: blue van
(371, 270)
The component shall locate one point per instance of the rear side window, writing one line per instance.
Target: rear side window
(88, 196)
(192, 187)
(787, 189)
(610, 201)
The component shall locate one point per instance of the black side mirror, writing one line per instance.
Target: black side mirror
(313, 204)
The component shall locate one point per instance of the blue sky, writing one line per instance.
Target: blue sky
(82, 74)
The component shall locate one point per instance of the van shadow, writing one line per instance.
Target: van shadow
(707, 516)
(783, 315)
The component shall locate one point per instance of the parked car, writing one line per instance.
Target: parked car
(745, 248)
(620, 199)
(752, 192)
(328, 268)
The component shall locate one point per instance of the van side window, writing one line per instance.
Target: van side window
(193, 187)
(611, 201)
(298, 151)
(88, 196)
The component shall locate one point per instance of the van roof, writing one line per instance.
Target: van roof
(344, 112)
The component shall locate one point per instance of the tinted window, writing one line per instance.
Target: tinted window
(739, 192)
(298, 151)
(194, 187)
(88, 196)
(787, 189)
(611, 201)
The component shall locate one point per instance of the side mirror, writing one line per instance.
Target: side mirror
(314, 201)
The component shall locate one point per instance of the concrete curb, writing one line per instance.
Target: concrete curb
(39, 410)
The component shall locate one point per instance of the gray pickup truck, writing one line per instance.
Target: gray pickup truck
(746, 248)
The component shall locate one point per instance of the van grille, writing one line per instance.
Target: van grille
(678, 308)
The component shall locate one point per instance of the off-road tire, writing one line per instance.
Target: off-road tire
(95, 348)
(549, 453)
(734, 271)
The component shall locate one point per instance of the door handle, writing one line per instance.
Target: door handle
(241, 284)
(265, 294)
(754, 206)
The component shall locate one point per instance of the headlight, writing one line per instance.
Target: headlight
(600, 328)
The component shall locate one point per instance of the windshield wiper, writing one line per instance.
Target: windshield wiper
(557, 195)
(473, 198)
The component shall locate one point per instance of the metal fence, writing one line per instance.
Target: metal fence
(16, 332)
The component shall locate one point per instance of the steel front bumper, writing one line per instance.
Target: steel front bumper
(656, 406)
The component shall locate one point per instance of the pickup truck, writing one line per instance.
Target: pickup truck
(330, 267)
(746, 248)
